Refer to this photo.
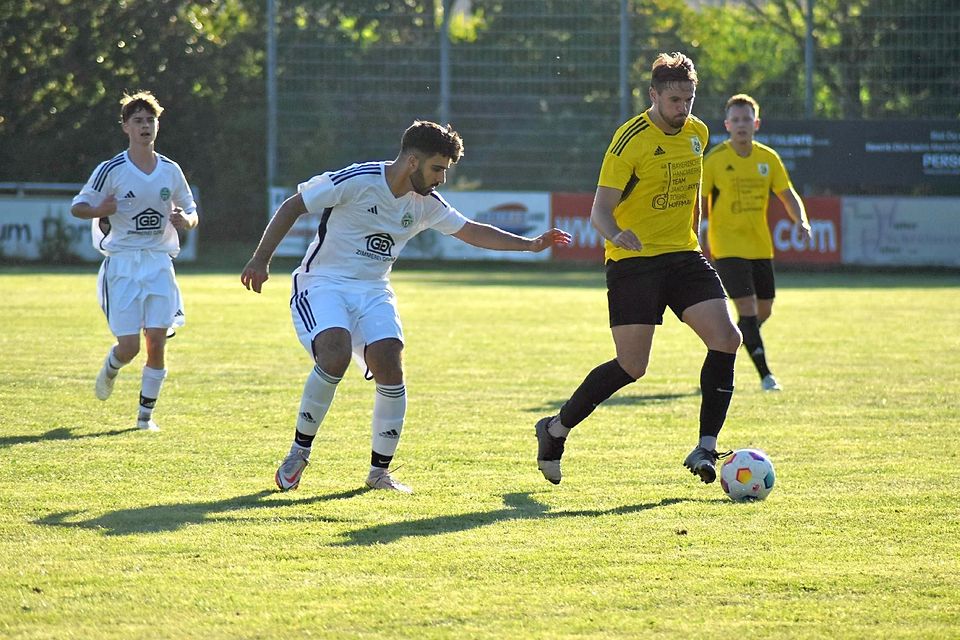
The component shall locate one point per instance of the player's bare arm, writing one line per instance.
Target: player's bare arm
(257, 270)
(84, 211)
(489, 237)
(795, 209)
(184, 221)
(601, 216)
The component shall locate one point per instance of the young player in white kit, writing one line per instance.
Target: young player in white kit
(342, 302)
(137, 201)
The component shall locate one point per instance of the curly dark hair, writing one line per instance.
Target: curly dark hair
(431, 138)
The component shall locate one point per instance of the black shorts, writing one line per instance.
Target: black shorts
(742, 277)
(639, 289)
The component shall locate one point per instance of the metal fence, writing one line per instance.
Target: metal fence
(537, 87)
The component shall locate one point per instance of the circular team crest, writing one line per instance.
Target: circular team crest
(406, 220)
(164, 194)
(695, 143)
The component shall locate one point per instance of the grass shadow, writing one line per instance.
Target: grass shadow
(518, 506)
(621, 400)
(60, 433)
(170, 517)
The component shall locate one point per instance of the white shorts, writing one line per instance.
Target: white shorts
(138, 290)
(368, 310)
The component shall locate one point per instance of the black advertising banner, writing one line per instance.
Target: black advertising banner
(845, 155)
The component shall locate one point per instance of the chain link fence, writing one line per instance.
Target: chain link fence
(537, 87)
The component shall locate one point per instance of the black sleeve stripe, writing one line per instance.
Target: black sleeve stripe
(440, 199)
(321, 234)
(104, 171)
(365, 172)
(639, 125)
(355, 168)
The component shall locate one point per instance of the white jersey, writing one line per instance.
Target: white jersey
(144, 205)
(363, 226)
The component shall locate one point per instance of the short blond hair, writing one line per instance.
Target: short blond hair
(743, 100)
(145, 100)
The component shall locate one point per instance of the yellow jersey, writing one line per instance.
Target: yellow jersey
(739, 191)
(659, 175)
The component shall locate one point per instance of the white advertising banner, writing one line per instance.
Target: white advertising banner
(33, 226)
(902, 232)
(522, 213)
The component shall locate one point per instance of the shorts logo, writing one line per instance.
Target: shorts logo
(148, 220)
(763, 168)
(695, 143)
(380, 244)
(406, 220)
(164, 194)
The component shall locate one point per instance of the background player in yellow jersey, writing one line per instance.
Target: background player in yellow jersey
(738, 176)
(646, 207)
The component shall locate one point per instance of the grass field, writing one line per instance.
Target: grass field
(108, 532)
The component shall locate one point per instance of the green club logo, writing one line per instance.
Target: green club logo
(164, 194)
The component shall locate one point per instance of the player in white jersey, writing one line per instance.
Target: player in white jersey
(342, 302)
(137, 201)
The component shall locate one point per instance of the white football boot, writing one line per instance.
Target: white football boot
(381, 479)
(291, 469)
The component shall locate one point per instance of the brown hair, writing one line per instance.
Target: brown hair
(743, 100)
(145, 100)
(672, 67)
(432, 139)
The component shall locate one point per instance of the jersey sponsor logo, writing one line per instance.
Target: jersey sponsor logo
(148, 220)
(373, 210)
(695, 143)
(659, 151)
(763, 168)
(130, 194)
(380, 243)
(164, 194)
(660, 201)
(730, 167)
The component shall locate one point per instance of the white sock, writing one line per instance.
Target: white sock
(389, 410)
(112, 364)
(318, 392)
(150, 385)
(708, 442)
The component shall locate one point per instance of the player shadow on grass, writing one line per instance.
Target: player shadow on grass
(170, 517)
(518, 506)
(625, 399)
(60, 433)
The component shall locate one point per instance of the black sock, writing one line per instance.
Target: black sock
(379, 461)
(600, 384)
(753, 343)
(303, 439)
(716, 385)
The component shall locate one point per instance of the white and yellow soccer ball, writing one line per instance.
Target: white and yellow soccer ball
(747, 475)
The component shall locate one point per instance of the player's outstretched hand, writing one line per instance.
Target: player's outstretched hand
(255, 274)
(552, 238)
(627, 239)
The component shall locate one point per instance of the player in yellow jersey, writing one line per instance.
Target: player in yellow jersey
(738, 176)
(647, 206)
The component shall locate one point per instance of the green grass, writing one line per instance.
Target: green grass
(108, 532)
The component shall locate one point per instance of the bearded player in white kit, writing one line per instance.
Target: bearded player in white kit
(342, 302)
(137, 202)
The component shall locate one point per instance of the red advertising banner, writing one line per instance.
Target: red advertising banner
(571, 212)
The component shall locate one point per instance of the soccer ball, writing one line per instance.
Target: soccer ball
(747, 475)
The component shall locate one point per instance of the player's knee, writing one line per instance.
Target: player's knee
(635, 368)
